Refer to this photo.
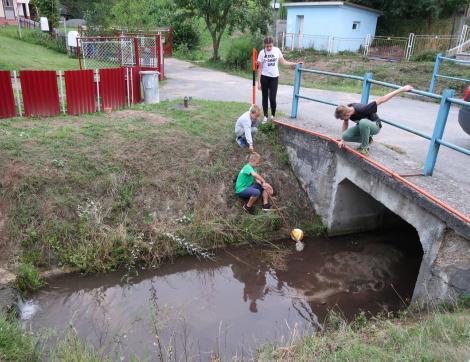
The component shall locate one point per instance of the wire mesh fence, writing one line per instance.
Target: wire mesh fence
(433, 43)
(149, 49)
(166, 33)
(292, 41)
(386, 47)
(378, 46)
(109, 52)
(338, 45)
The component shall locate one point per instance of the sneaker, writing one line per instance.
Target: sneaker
(272, 118)
(240, 141)
(266, 207)
(371, 141)
(265, 119)
(364, 151)
(250, 210)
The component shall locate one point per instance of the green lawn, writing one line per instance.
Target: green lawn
(20, 55)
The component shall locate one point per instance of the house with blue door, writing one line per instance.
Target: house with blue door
(329, 25)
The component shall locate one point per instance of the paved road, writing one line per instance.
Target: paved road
(397, 150)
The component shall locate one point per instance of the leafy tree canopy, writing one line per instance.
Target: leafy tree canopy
(48, 9)
(76, 6)
(229, 15)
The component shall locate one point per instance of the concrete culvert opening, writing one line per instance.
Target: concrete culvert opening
(358, 213)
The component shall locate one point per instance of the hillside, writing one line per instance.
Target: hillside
(16, 54)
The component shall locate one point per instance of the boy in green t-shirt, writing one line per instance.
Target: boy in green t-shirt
(251, 184)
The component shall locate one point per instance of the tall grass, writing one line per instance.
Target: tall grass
(16, 344)
(419, 335)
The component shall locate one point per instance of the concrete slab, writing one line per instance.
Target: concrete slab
(399, 151)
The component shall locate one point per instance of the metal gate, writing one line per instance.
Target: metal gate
(107, 52)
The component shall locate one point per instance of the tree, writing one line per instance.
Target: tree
(48, 9)
(76, 6)
(230, 15)
(99, 14)
(405, 9)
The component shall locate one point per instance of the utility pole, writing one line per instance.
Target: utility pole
(275, 6)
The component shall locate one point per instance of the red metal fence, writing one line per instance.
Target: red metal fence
(86, 91)
(165, 33)
(7, 101)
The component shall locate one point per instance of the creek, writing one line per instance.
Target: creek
(201, 310)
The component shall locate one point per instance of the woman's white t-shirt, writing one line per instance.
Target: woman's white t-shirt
(270, 62)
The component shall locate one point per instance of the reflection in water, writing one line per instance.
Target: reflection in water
(254, 281)
(209, 310)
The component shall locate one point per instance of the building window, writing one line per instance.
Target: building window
(355, 26)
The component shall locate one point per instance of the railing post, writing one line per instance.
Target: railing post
(366, 88)
(295, 97)
(410, 45)
(367, 44)
(434, 73)
(438, 132)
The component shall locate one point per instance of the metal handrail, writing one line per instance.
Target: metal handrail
(446, 100)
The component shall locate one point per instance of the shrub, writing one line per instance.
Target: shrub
(427, 56)
(28, 278)
(240, 54)
(185, 32)
(16, 345)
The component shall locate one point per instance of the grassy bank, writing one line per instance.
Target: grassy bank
(438, 334)
(34, 52)
(98, 192)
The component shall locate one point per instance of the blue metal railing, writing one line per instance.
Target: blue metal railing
(435, 74)
(446, 101)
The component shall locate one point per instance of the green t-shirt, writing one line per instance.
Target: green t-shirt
(244, 178)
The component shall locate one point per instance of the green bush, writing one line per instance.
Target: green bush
(186, 32)
(16, 345)
(28, 278)
(40, 38)
(240, 54)
(428, 56)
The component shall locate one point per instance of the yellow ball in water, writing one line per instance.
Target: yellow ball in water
(297, 235)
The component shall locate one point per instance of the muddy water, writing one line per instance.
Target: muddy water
(227, 308)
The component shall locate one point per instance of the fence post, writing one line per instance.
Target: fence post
(462, 37)
(366, 88)
(295, 98)
(438, 132)
(367, 44)
(330, 44)
(434, 73)
(409, 47)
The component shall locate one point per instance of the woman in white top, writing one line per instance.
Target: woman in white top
(268, 74)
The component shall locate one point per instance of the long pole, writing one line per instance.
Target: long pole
(275, 22)
(255, 59)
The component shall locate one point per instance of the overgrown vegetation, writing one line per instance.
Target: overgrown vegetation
(97, 195)
(440, 333)
(35, 36)
(15, 344)
(28, 278)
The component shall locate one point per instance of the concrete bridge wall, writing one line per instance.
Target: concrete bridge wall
(352, 195)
